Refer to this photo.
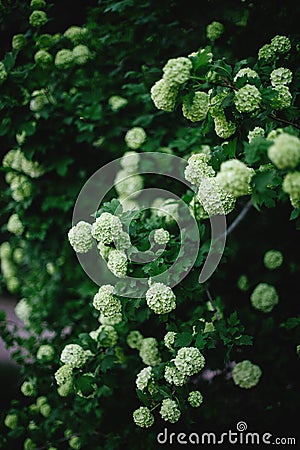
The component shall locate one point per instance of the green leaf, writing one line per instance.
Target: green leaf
(183, 339)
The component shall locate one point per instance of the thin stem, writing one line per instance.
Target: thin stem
(285, 121)
(239, 218)
(212, 303)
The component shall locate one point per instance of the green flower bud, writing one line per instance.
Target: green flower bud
(38, 18)
(18, 41)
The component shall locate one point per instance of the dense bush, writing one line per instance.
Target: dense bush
(148, 84)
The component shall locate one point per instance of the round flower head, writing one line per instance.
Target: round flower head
(80, 237)
(110, 337)
(81, 54)
(45, 353)
(45, 410)
(117, 263)
(114, 320)
(103, 250)
(143, 417)
(116, 102)
(195, 399)
(65, 389)
(143, 378)
(285, 151)
(273, 259)
(234, 177)
(21, 188)
(106, 228)
(283, 97)
(281, 44)
(256, 132)
(215, 104)
(38, 18)
(169, 339)
(243, 283)
(28, 389)
(189, 360)
(246, 375)
(128, 184)
(43, 58)
(11, 421)
(174, 376)
(64, 59)
(247, 99)
(281, 76)
(75, 443)
(169, 410)
(214, 30)
(149, 351)
(164, 95)
(291, 185)
(130, 161)
(214, 199)
(23, 310)
(160, 298)
(161, 236)
(223, 128)
(135, 137)
(246, 72)
(197, 109)
(37, 4)
(264, 297)
(198, 169)
(76, 34)
(73, 355)
(177, 70)
(29, 444)
(14, 225)
(123, 242)
(106, 302)
(134, 339)
(38, 100)
(18, 41)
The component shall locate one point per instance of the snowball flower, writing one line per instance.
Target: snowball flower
(169, 410)
(117, 263)
(21, 187)
(161, 236)
(23, 310)
(37, 4)
(110, 337)
(246, 72)
(256, 132)
(174, 376)
(43, 58)
(73, 355)
(80, 237)
(214, 30)
(128, 184)
(14, 225)
(28, 389)
(243, 283)
(234, 177)
(130, 161)
(149, 351)
(81, 54)
(38, 18)
(143, 378)
(117, 102)
(143, 417)
(291, 185)
(18, 41)
(283, 97)
(134, 339)
(273, 259)
(76, 34)
(264, 297)
(214, 199)
(135, 137)
(11, 421)
(285, 151)
(65, 389)
(198, 169)
(38, 100)
(189, 360)
(177, 70)
(195, 399)
(45, 353)
(247, 99)
(160, 298)
(280, 76)
(223, 128)
(64, 59)
(196, 109)
(164, 95)
(169, 339)
(246, 375)
(281, 44)
(106, 302)
(106, 228)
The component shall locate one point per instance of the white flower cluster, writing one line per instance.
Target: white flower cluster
(283, 97)
(74, 356)
(135, 137)
(281, 76)
(14, 225)
(195, 399)
(196, 109)
(173, 376)
(189, 361)
(143, 417)
(148, 351)
(117, 263)
(291, 185)
(214, 199)
(130, 161)
(23, 310)
(214, 30)
(77, 35)
(20, 185)
(234, 177)
(28, 389)
(273, 259)
(246, 72)
(63, 374)
(169, 339)
(106, 228)
(247, 99)
(45, 353)
(285, 151)
(80, 237)
(143, 378)
(160, 298)
(161, 236)
(15, 159)
(278, 45)
(169, 410)
(164, 95)
(177, 70)
(128, 184)
(117, 102)
(264, 297)
(108, 335)
(246, 375)
(106, 302)
(256, 132)
(198, 168)
(8, 268)
(223, 128)
(134, 339)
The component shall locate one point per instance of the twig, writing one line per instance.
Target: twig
(285, 121)
(239, 218)
(212, 304)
